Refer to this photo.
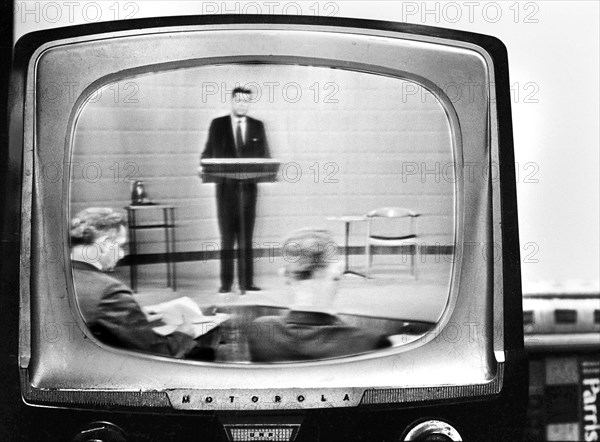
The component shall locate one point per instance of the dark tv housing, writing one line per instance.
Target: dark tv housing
(464, 378)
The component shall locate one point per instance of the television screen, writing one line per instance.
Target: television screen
(352, 146)
(269, 218)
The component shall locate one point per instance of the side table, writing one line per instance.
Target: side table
(167, 223)
(347, 220)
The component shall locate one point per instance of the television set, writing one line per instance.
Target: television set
(359, 116)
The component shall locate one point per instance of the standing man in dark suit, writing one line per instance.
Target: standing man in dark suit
(236, 136)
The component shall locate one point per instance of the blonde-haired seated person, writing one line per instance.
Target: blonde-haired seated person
(310, 329)
(107, 305)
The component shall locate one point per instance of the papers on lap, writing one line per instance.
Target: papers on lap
(178, 311)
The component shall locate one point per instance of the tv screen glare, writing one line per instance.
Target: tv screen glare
(267, 228)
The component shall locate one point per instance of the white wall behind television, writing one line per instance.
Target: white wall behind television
(553, 50)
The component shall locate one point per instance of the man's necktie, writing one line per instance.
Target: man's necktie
(239, 140)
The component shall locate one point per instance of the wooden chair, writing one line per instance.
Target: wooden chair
(394, 227)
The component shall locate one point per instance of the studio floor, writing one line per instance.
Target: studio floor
(390, 292)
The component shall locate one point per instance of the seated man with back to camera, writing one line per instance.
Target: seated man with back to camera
(310, 330)
(106, 304)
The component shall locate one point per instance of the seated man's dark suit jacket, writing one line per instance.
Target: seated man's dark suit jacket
(301, 336)
(115, 318)
(221, 144)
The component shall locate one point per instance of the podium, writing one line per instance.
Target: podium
(240, 170)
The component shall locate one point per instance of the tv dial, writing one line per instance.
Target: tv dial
(101, 432)
(433, 431)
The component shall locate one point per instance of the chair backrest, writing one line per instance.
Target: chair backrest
(391, 212)
(385, 223)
